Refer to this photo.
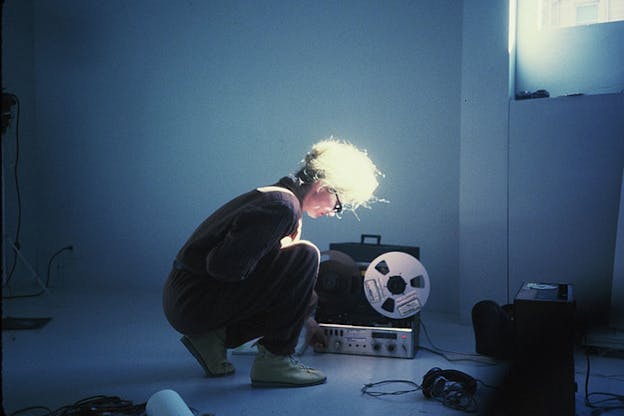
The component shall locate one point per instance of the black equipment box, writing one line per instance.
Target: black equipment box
(541, 378)
(544, 322)
(364, 252)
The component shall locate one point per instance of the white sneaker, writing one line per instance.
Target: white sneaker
(272, 370)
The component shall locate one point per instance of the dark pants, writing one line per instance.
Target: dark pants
(272, 303)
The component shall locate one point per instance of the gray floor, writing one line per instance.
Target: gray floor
(119, 343)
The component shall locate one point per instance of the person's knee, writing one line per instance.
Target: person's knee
(306, 251)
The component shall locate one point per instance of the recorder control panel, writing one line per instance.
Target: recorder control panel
(369, 340)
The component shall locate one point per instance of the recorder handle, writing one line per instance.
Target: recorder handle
(375, 236)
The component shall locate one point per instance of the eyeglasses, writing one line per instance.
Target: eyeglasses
(338, 206)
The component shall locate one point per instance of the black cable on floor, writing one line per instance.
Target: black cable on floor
(443, 353)
(91, 406)
(439, 386)
(366, 389)
(32, 408)
(611, 401)
(94, 406)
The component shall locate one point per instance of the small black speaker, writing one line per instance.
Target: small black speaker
(493, 329)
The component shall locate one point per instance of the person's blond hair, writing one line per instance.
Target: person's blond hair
(344, 168)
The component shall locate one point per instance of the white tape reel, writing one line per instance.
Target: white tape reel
(396, 285)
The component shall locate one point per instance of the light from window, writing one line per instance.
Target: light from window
(566, 13)
(513, 8)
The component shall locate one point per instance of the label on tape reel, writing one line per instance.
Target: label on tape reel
(396, 285)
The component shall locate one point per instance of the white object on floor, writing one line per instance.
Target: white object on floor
(167, 403)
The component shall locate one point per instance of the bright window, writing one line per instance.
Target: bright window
(567, 13)
(568, 47)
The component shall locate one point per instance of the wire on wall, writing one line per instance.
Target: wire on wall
(16, 240)
(47, 282)
(66, 248)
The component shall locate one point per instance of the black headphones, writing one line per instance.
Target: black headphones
(452, 388)
(435, 382)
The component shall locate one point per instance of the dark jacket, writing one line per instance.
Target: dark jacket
(243, 233)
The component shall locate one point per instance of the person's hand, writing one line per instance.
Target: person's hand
(296, 236)
(314, 334)
(293, 238)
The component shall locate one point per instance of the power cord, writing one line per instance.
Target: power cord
(611, 401)
(452, 388)
(47, 283)
(95, 406)
(366, 389)
(91, 406)
(17, 187)
(462, 355)
(69, 248)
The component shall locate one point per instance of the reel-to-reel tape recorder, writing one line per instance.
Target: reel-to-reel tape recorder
(370, 297)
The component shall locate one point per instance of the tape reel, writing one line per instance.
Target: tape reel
(339, 282)
(396, 285)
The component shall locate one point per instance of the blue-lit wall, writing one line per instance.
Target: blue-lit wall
(565, 176)
(139, 118)
(539, 179)
(150, 114)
